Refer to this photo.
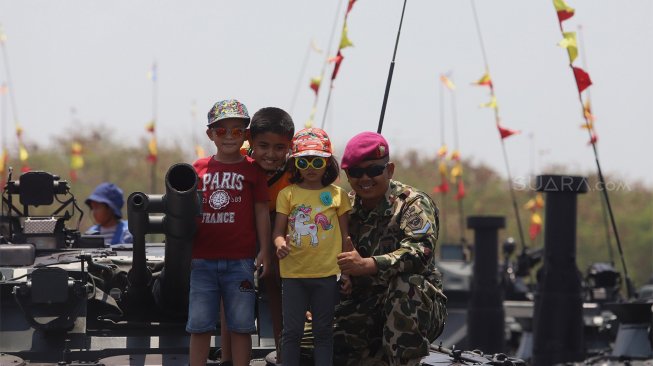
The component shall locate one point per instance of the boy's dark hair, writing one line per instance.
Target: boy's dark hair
(330, 175)
(272, 119)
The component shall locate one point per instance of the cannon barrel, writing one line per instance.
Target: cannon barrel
(180, 206)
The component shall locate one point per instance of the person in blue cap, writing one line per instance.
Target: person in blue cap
(106, 203)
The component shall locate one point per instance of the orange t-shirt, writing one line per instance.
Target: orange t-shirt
(276, 187)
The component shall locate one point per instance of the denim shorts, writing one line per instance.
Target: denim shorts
(231, 280)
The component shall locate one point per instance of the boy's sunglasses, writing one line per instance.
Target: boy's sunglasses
(315, 163)
(371, 171)
(236, 132)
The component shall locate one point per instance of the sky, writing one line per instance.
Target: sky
(77, 63)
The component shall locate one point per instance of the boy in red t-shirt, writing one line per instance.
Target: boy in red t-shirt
(234, 215)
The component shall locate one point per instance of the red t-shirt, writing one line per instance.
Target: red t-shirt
(227, 226)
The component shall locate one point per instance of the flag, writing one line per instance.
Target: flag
(461, 190)
(536, 225)
(582, 79)
(564, 11)
(484, 80)
(152, 150)
(569, 42)
(506, 132)
(3, 36)
(344, 40)
(152, 74)
(455, 155)
(442, 167)
(315, 83)
(587, 110)
(315, 47)
(447, 82)
(22, 153)
(76, 159)
(442, 188)
(593, 139)
(349, 6)
(199, 151)
(150, 126)
(491, 104)
(442, 151)
(338, 60)
(3, 162)
(456, 172)
(534, 203)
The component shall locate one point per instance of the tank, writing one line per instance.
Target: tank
(66, 298)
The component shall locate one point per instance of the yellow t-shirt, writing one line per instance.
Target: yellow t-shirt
(313, 228)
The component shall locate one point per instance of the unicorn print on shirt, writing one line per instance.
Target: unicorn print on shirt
(299, 220)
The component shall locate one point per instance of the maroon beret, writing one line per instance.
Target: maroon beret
(364, 146)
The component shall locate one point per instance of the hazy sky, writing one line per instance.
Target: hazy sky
(93, 56)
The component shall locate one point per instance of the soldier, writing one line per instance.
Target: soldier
(396, 307)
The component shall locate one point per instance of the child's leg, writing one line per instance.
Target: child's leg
(324, 292)
(295, 301)
(273, 288)
(204, 301)
(239, 303)
(225, 337)
(199, 348)
(241, 346)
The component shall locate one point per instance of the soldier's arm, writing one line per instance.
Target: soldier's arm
(419, 224)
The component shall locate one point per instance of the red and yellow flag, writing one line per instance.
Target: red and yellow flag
(315, 84)
(563, 10)
(484, 80)
(569, 42)
(506, 132)
(583, 80)
(447, 82)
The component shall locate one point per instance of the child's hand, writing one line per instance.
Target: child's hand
(345, 285)
(282, 247)
(262, 265)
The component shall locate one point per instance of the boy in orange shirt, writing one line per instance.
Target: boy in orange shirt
(271, 131)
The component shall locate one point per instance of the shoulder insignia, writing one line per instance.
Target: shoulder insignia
(415, 222)
(424, 229)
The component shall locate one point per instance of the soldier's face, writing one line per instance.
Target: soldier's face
(371, 190)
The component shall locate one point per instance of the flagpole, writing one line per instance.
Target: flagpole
(302, 71)
(456, 141)
(443, 215)
(497, 122)
(12, 96)
(606, 222)
(153, 177)
(325, 63)
(392, 67)
(3, 152)
(602, 184)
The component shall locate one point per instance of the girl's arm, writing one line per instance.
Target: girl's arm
(279, 235)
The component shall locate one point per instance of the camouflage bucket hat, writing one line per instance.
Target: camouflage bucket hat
(230, 108)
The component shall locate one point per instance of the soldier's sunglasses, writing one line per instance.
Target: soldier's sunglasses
(315, 163)
(236, 132)
(371, 171)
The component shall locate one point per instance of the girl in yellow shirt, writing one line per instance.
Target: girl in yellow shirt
(310, 231)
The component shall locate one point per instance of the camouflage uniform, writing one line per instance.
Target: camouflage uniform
(393, 316)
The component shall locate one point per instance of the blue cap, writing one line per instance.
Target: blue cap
(110, 194)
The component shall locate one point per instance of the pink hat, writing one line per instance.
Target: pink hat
(364, 146)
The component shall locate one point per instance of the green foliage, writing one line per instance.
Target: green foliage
(487, 193)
